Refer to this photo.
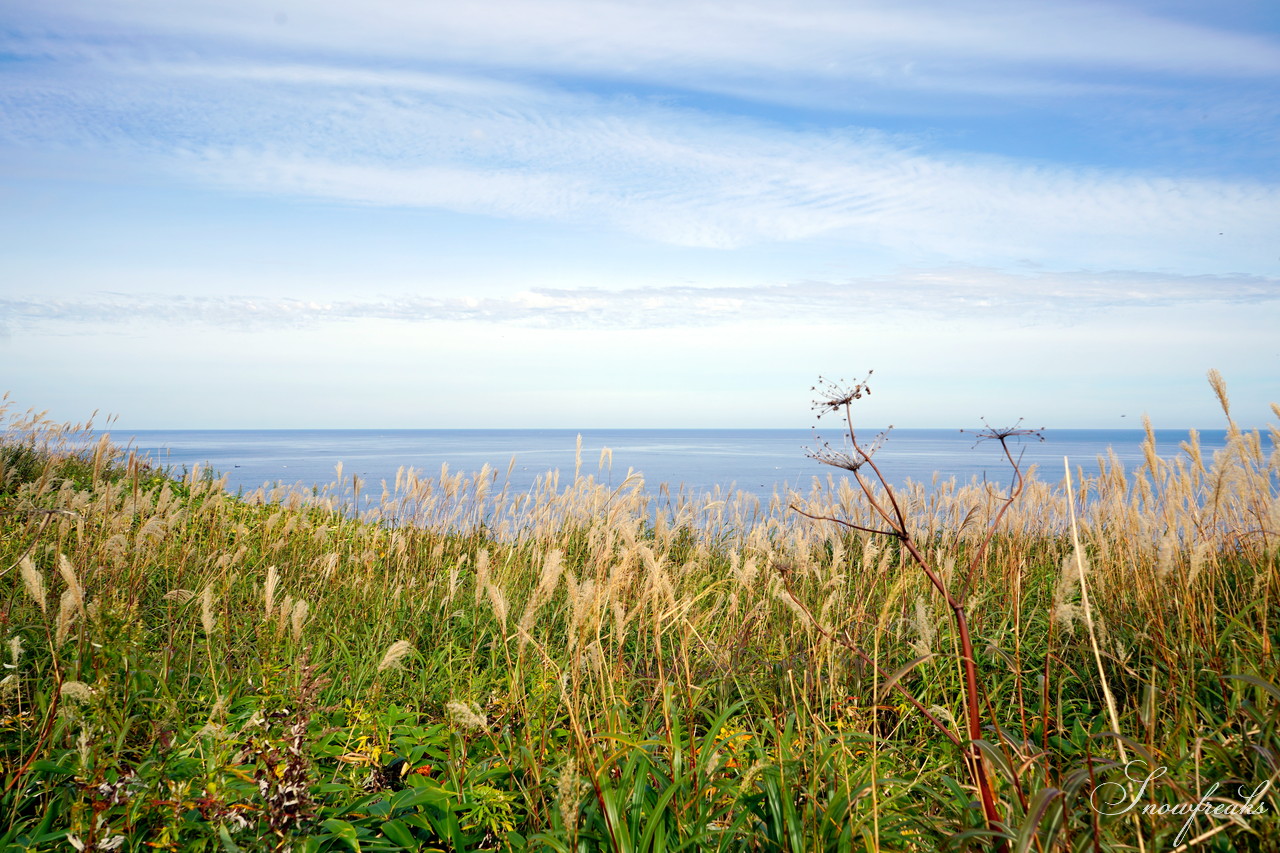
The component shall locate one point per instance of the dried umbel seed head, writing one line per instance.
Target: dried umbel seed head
(848, 458)
(1003, 434)
(834, 395)
(836, 457)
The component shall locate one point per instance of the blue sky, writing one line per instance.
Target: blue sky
(638, 214)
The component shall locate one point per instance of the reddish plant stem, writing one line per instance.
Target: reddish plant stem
(896, 522)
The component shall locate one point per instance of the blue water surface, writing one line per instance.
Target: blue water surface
(695, 460)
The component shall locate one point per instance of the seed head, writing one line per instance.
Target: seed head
(76, 691)
(395, 652)
(834, 395)
(1003, 434)
(34, 582)
(466, 715)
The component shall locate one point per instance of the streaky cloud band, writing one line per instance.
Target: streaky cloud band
(1065, 297)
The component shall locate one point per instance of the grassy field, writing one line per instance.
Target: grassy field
(463, 668)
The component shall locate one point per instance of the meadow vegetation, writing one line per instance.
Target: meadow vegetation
(459, 667)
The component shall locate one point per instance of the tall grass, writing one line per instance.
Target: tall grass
(458, 666)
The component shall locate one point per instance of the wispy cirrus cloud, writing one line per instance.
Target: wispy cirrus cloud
(959, 293)
(755, 49)
(539, 118)
(674, 175)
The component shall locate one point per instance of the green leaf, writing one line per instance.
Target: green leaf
(1037, 813)
(1258, 682)
(227, 844)
(396, 831)
(357, 804)
(620, 839)
(51, 815)
(411, 798)
(345, 831)
(45, 766)
(426, 824)
(899, 674)
(657, 817)
(332, 787)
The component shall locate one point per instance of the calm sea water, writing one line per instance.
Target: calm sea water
(693, 460)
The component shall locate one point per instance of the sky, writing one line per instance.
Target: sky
(671, 213)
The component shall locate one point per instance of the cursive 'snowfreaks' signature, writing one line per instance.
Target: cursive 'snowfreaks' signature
(1124, 799)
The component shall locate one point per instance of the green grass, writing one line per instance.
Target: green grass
(188, 670)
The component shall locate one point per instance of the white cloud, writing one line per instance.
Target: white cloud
(767, 48)
(969, 294)
(700, 183)
(476, 142)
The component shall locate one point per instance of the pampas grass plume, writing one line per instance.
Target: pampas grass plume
(396, 652)
(34, 582)
(68, 608)
(568, 793)
(273, 577)
(1065, 609)
(298, 617)
(68, 573)
(466, 715)
(206, 610)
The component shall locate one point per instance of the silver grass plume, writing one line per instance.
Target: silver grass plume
(298, 617)
(273, 577)
(466, 715)
(396, 652)
(206, 610)
(1066, 612)
(34, 582)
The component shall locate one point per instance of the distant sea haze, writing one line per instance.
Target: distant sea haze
(694, 460)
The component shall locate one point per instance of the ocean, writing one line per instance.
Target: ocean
(694, 460)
